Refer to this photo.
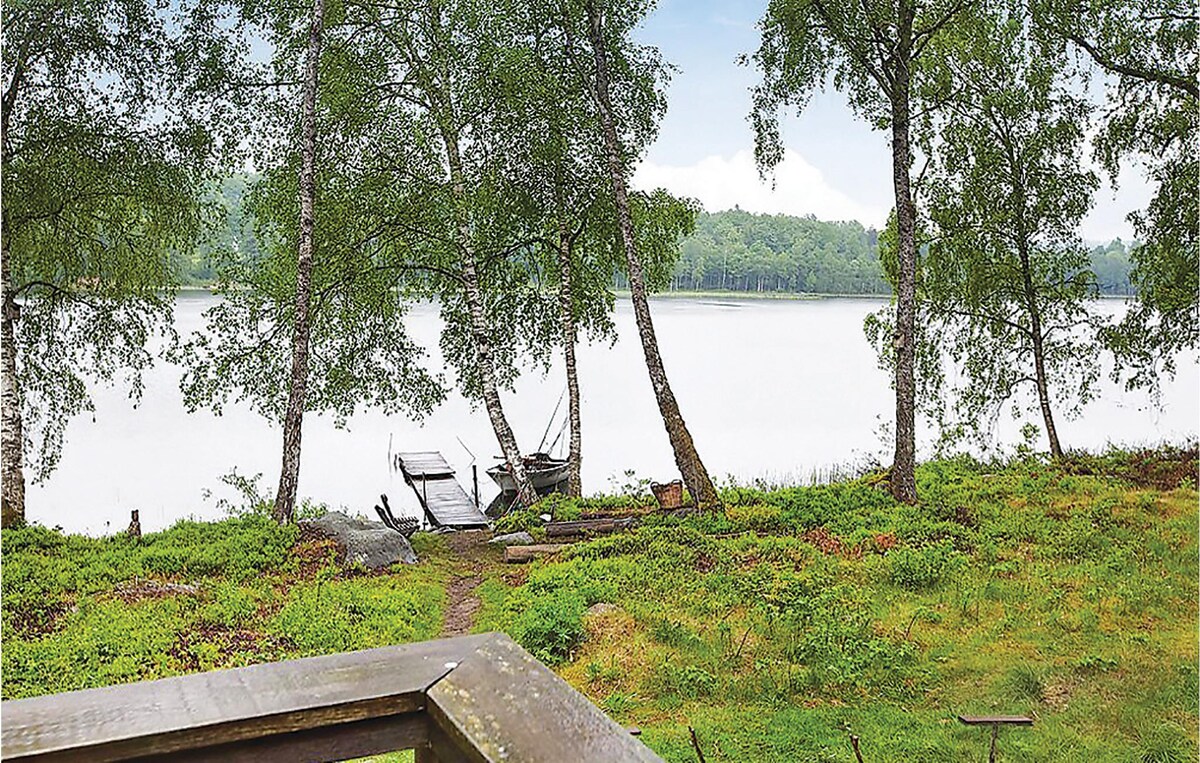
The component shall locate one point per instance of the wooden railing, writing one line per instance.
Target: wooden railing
(474, 698)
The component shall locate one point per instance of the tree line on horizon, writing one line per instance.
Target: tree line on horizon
(731, 250)
(478, 154)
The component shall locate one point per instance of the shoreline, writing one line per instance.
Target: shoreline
(767, 296)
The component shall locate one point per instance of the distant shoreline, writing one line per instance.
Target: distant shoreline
(791, 295)
(781, 296)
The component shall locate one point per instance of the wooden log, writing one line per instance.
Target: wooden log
(521, 554)
(586, 527)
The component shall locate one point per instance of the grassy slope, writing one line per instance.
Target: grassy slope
(803, 615)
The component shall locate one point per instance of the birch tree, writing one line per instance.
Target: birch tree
(564, 168)
(106, 151)
(326, 276)
(293, 419)
(611, 64)
(876, 52)
(1146, 52)
(434, 85)
(1005, 285)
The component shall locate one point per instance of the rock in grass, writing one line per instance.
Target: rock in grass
(371, 544)
(512, 539)
(600, 609)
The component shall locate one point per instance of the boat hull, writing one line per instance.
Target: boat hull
(548, 475)
(546, 478)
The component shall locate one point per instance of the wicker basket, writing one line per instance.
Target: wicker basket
(669, 495)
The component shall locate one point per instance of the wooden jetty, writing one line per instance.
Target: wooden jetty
(444, 501)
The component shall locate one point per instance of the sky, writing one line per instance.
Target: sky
(835, 166)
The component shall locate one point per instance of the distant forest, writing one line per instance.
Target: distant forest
(740, 251)
(734, 250)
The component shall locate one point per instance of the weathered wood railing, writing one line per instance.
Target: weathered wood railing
(475, 698)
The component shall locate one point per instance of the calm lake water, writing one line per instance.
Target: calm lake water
(770, 389)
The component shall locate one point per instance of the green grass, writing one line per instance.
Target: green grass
(798, 617)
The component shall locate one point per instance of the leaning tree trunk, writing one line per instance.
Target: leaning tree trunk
(695, 476)
(12, 440)
(1039, 349)
(567, 320)
(903, 478)
(289, 476)
(484, 360)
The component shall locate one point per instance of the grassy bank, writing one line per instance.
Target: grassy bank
(802, 615)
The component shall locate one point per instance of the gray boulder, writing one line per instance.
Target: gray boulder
(513, 539)
(371, 544)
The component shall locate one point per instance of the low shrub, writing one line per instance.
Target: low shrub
(329, 616)
(1166, 743)
(550, 626)
(926, 567)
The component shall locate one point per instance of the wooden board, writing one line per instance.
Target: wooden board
(988, 720)
(447, 505)
(586, 527)
(428, 464)
(504, 705)
(443, 499)
(226, 706)
(472, 699)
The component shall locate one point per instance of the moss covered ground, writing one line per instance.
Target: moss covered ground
(798, 617)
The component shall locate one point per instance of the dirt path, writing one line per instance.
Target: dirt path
(461, 601)
(462, 605)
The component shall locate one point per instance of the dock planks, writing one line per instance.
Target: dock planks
(443, 499)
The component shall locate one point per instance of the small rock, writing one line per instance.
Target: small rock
(371, 544)
(513, 539)
(602, 608)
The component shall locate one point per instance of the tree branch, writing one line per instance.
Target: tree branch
(1129, 70)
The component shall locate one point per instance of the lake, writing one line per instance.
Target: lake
(771, 389)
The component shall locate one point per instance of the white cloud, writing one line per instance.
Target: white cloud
(722, 183)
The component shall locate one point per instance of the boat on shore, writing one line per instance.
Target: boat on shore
(548, 474)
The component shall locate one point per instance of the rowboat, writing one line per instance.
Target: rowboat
(548, 474)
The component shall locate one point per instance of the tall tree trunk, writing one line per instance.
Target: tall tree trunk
(695, 476)
(903, 478)
(1039, 350)
(12, 439)
(567, 319)
(484, 362)
(12, 432)
(293, 421)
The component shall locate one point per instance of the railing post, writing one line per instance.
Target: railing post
(425, 754)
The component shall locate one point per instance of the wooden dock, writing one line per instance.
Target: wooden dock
(443, 499)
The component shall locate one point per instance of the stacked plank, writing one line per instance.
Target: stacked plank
(565, 531)
(587, 527)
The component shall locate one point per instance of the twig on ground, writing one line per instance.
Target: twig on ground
(738, 653)
(696, 745)
(854, 744)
